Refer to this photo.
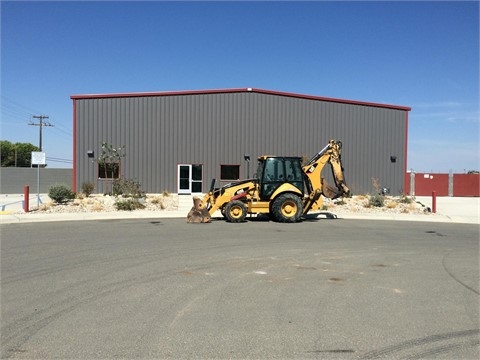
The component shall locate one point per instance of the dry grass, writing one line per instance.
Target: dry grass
(391, 205)
(158, 201)
(45, 207)
(97, 207)
(155, 200)
(77, 202)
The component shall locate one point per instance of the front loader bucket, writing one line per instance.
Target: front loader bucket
(330, 191)
(198, 213)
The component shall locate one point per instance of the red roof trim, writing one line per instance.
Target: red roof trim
(237, 90)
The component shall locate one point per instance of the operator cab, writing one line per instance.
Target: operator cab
(274, 171)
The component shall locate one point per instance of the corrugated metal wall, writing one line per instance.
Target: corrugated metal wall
(160, 132)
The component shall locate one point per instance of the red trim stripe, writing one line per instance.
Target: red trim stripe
(405, 190)
(74, 172)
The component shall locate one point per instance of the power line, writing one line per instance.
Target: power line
(65, 132)
(41, 124)
(16, 111)
(59, 160)
(20, 107)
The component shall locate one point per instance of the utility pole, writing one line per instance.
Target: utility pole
(41, 124)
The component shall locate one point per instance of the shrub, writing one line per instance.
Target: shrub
(127, 188)
(404, 199)
(376, 200)
(60, 194)
(87, 188)
(129, 204)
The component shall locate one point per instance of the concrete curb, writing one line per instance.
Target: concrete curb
(139, 214)
(449, 210)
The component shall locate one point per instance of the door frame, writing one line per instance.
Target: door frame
(186, 191)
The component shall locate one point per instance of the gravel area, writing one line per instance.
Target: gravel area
(169, 202)
(363, 204)
(106, 203)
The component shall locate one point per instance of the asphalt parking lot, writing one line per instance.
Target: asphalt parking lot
(161, 288)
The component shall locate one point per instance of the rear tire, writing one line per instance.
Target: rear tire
(287, 208)
(235, 211)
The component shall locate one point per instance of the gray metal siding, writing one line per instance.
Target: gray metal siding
(160, 132)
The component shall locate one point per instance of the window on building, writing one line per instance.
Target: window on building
(109, 171)
(229, 172)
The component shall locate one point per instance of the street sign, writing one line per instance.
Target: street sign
(38, 158)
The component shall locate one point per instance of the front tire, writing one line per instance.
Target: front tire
(235, 211)
(287, 208)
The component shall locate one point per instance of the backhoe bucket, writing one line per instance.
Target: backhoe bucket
(198, 213)
(330, 191)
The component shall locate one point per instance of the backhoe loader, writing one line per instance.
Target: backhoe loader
(283, 189)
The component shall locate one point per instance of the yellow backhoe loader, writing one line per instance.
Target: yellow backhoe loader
(283, 189)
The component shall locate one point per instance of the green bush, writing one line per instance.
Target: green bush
(60, 194)
(404, 199)
(129, 204)
(87, 188)
(376, 200)
(127, 188)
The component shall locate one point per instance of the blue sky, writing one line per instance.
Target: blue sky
(419, 54)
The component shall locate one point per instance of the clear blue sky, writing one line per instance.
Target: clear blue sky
(419, 54)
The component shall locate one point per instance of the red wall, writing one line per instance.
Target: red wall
(463, 184)
(466, 185)
(426, 183)
(407, 184)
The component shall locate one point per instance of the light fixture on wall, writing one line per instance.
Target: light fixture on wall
(90, 153)
(393, 159)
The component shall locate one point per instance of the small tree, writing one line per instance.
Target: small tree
(378, 198)
(110, 159)
(87, 188)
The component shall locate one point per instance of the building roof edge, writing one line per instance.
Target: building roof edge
(237, 90)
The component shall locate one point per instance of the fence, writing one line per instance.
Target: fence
(422, 184)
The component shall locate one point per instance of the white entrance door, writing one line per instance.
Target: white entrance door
(190, 178)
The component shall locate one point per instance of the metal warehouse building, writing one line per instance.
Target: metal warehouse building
(180, 141)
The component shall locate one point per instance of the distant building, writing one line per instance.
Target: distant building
(179, 141)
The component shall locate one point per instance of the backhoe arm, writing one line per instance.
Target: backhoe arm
(329, 154)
